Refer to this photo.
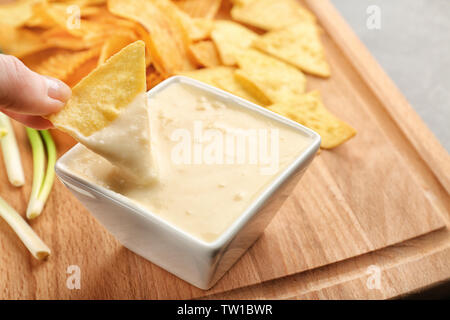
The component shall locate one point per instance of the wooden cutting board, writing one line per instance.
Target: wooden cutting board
(381, 200)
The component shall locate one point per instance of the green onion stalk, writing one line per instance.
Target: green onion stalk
(30, 239)
(11, 155)
(26, 234)
(42, 180)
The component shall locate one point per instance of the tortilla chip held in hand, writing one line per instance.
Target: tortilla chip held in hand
(108, 112)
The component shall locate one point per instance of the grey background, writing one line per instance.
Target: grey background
(413, 47)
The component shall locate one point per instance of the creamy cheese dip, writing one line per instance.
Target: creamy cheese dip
(126, 142)
(214, 159)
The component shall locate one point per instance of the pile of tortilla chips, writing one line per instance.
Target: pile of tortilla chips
(257, 49)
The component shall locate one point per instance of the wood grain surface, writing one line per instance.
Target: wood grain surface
(377, 200)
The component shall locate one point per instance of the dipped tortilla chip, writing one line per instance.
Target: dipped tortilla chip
(222, 78)
(108, 113)
(230, 38)
(267, 78)
(200, 8)
(298, 45)
(167, 42)
(309, 111)
(98, 99)
(205, 53)
(271, 14)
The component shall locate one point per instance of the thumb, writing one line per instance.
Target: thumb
(25, 92)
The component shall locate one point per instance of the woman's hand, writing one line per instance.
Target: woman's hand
(27, 96)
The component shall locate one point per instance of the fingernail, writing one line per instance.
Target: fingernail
(57, 89)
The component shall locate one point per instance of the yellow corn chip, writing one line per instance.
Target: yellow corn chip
(98, 99)
(267, 78)
(177, 17)
(271, 14)
(306, 15)
(197, 28)
(222, 78)
(309, 111)
(189, 29)
(205, 53)
(298, 45)
(230, 37)
(166, 40)
(192, 29)
(200, 8)
(112, 46)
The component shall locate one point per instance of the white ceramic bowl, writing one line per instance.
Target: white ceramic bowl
(193, 260)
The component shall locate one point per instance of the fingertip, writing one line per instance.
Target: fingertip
(57, 90)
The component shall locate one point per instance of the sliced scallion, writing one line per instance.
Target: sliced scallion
(11, 155)
(47, 184)
(42, 180)
(30, 239)
(37, 147)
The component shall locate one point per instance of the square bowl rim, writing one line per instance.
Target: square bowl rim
(233, 229)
